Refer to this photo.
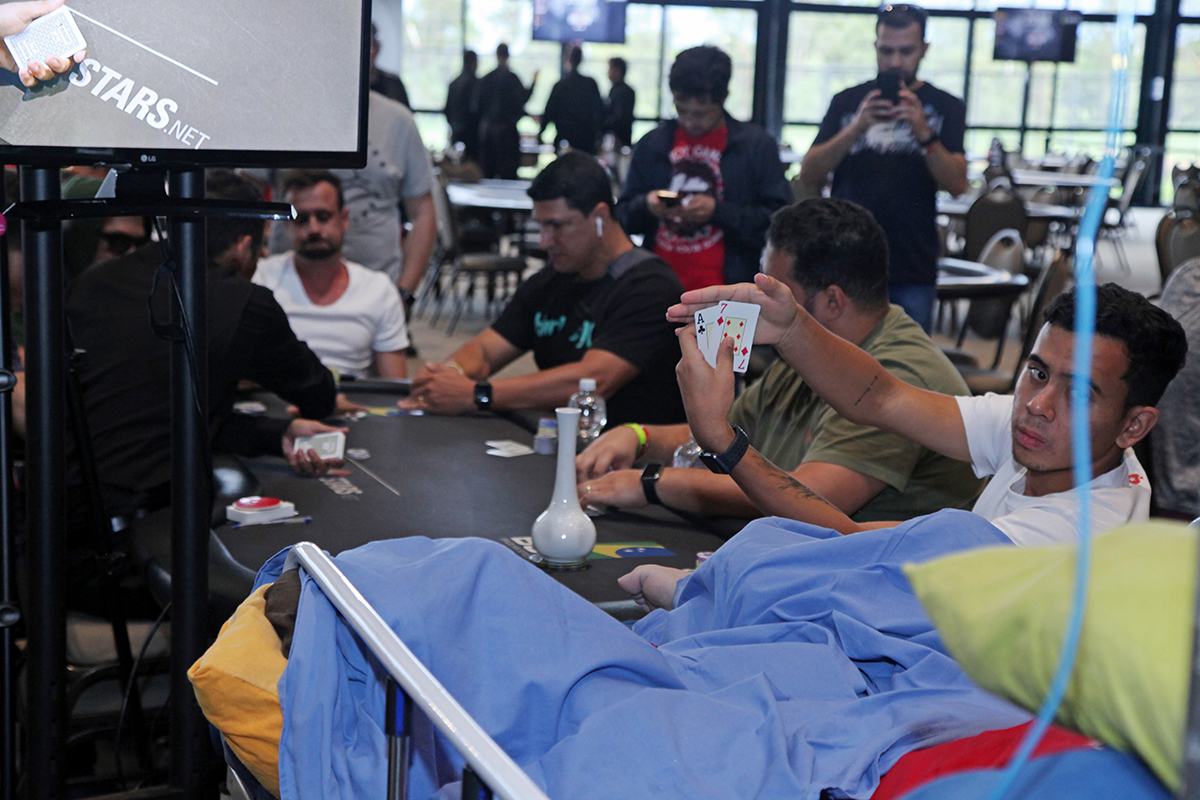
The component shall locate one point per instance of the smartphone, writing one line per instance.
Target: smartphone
(889, 85)
(669, 199)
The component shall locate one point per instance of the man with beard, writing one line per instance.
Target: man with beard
(350, 316)
(892, 155)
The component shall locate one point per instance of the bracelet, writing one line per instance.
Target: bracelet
(643, 437)
(457, 366)
(928, 144)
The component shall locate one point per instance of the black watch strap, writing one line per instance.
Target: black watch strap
(930, 142)
(483, 396)
(650, 476)
(723, 463)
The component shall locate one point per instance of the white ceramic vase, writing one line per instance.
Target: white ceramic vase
(563, 534)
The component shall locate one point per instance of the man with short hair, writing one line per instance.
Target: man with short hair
(1023, 441)
(833, 257)
(723, 180)
(618, 110)
(464, 121)
(596, 311)
(575, 108)
(350, 316)
(124, 369)
(891, 156)
(499, 103)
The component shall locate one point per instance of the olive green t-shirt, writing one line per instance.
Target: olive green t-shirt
(790, 425)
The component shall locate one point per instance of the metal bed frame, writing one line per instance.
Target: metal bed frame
(489, 769)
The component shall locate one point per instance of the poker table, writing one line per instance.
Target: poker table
(432, 476)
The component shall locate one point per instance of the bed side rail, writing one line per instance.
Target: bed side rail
(492, 765)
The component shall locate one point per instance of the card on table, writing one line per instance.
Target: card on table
(507, 448)
(727, 318)
(328, 446)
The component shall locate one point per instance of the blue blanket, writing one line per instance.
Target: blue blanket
(796, 660)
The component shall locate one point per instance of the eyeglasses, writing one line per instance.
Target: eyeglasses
(121, 243)
(916, 12)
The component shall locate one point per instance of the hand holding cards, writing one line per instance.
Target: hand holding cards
(727, 318)
(329, 446)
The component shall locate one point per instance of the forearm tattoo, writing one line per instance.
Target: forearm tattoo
(789, 485)
(867, 390)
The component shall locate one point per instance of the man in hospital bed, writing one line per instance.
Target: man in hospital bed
(795, 661)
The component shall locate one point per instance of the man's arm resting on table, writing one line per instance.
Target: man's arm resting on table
(702, 492)
(617, 449)
(484, 355)
(391, 364)
(418, 246)
(552, 387)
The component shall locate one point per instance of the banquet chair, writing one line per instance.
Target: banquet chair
(1052, 282)
(993, 211)
(988, 318)
(1113, 229)
(498, 272)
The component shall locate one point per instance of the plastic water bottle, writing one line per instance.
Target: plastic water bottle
(593, 413)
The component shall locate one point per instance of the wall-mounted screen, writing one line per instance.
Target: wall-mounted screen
(579, 20)
(191, 82)
(1035, 34)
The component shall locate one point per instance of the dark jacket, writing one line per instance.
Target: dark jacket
(755, 188)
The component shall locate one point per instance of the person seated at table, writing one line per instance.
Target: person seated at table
(350, 316)
(596, 311)
(725, 176)
(1022, 441)
(833, 257)
(124, 371)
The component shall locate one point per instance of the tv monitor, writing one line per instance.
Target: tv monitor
(270, 83)
(579, 21)
(1035, 34)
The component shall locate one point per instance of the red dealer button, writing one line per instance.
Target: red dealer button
(256, 503)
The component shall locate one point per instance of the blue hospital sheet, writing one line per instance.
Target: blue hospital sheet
(796, 660)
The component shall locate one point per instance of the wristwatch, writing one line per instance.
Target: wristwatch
(650, 476)
(483, 395)
(723, 463)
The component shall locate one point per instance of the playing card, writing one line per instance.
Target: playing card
(739, 322)
(708, 333)
(327, 445)
(735, 320)
(507, 448)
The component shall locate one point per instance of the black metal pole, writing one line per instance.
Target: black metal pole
(46, 501)
(190, 504)
(9, 610)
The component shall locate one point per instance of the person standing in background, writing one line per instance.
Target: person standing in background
(386, 83)
(575, 108)
(464, 121)
(618, 116)
(499, 101)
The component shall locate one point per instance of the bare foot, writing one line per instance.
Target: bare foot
(652, 585)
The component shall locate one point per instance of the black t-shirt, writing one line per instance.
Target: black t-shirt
(885, 172)
(559, 318)
(125, 372)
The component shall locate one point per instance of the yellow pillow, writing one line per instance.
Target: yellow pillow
(236, 683)
(1002, 613)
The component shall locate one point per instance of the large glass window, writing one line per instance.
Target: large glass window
(829, 52)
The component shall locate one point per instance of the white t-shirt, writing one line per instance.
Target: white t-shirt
(368, 318)
(1118, 496)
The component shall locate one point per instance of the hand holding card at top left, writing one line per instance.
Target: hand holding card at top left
(707, 392)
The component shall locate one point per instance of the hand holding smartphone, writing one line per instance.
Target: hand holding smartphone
(669, 199)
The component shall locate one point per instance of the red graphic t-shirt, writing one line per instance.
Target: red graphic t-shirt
(695, 252)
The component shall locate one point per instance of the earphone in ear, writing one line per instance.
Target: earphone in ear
(599, 227)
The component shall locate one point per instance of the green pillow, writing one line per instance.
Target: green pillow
(1003, 611)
